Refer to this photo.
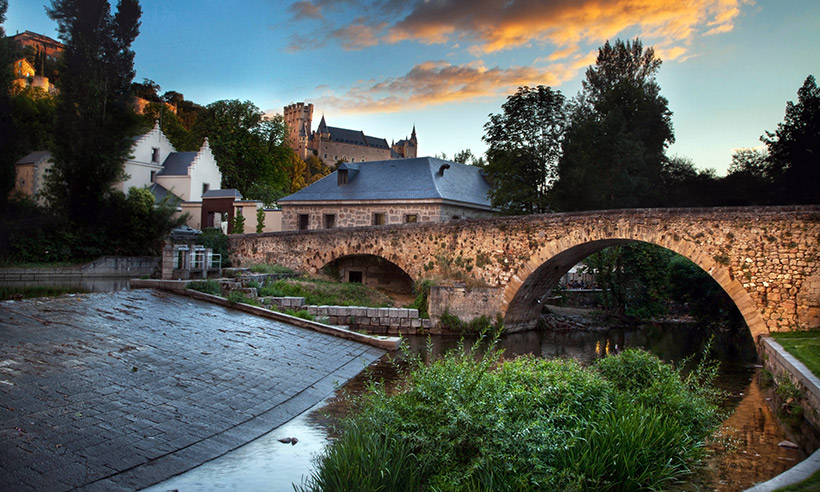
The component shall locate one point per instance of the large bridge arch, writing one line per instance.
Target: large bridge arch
(545, 268)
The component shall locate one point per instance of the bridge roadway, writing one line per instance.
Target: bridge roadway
(118, 391)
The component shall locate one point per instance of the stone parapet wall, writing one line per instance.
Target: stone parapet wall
(106, 266)
(380, 321)
(779, 363)
(465, 303)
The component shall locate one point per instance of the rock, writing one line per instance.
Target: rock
(289, 440)
(788, 444)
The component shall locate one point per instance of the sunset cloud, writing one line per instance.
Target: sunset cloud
(567, 32)
(439, 82)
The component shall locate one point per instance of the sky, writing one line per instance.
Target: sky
(383, 66)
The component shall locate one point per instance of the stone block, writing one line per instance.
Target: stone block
(373, 312)
(413, 313)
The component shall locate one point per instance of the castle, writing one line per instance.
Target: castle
(332, 144)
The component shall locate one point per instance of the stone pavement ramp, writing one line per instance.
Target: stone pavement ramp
(118, 391)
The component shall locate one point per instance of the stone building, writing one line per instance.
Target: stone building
(394, 191)
(332, 144)
(39, 43)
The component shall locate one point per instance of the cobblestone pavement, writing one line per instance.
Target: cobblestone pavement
(120, 390)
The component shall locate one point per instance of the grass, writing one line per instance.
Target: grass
(483, 423)
(326, 293)
(207, 286)
(805, 345)
(272, 269)
(808, 485)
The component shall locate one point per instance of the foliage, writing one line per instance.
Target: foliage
(238, 224)
(237, 297)
(207, 286)
(272, 269)
(795, 145)
(137, 225)
(172, 126)
(484, 423)
(524, 146)
(422, 290)
(217, 241)
(300, 313)
(32, 291)
(326, 293)
(94, 111)
(805, 345)
(620, 126)
(249, 147)
(8, 134)
(260, 220)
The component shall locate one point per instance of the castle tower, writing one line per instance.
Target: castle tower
(299, 118)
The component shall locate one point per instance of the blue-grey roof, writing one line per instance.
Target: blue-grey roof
(177, 163)
(160, 193)
(229, 193)
(35, 157)
(400, 179)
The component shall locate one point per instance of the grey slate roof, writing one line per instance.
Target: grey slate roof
(160, 193)
(400, 179)
(229, 193)
(35, 157)
(177, 163)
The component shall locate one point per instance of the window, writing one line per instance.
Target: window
(205, 186)
(411, 218)
(330, 221)
(155, 155)
(303, 221)
(341, 177)
(354, 277)
(378, 219)
(153, 173)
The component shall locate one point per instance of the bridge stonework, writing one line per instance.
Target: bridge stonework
(766, 258)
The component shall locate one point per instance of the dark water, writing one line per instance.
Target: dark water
(744, 453)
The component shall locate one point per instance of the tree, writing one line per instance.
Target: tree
(94, 114)
(148, 90)
(620, 126)
(794, 148)
(524, 147)
(249, 148)
(8, 135)
(260, 220)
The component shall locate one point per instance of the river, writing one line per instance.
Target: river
(746, 452)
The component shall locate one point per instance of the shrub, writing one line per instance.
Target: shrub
(237, 297)
(484, 423)
(270, 269)
(214, 239)
(422, 291)
(324, 292)
(206, 286)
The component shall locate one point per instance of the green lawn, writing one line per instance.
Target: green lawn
(807, 485)
(805, 345)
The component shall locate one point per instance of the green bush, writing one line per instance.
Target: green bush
(327, 293)
(302, 313)
(206, 286)
(422, 291)
(237, 297)
(484, 423)
(218, 242)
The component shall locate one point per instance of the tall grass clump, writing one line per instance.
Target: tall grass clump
(469, 422)
(326, 293)
(207, 286)
(271, 269)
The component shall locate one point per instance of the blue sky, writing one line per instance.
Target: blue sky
(383, 66)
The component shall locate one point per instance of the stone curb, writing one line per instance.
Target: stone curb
(810, 465)
(385, 343)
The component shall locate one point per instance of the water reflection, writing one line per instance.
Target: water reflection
(746, 455)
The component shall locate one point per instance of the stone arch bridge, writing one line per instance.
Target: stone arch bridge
(766, 258)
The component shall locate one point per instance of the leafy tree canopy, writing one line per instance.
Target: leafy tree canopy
(524, 148)
(614, 150)
(794, 148)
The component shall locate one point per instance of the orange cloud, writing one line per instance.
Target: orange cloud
(439, 82)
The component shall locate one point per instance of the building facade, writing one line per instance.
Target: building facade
(333, 144)
(393, 191)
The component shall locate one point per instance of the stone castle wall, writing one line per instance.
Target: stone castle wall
(766, 258)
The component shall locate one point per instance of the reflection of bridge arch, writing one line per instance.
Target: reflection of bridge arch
(550, 263)
(371, 270)
(766, 258)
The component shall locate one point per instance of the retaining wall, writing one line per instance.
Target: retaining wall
(105, 266)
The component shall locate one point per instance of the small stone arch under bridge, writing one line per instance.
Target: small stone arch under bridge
(766, 258)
